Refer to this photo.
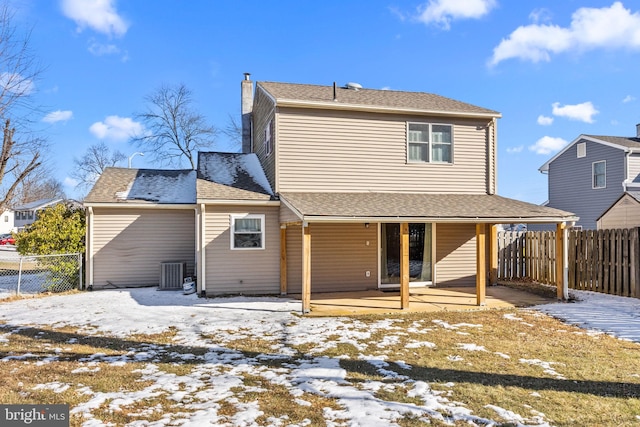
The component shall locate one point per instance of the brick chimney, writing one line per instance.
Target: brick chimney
(247, 108)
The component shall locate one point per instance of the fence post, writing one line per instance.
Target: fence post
(80, 287)
(19, 276)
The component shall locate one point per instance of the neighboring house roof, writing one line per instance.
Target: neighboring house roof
(314, 96)
(471, 208)
(38, 204)
(120, 185)
(635, 195)
(620, 142)
(231, 176)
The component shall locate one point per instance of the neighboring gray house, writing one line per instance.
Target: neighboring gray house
(592, 173)
(28, 213)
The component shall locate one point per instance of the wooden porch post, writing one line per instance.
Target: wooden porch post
(306, 268)
(481, 264)
(561, 262)
(283, 260)
(493, 254)
(404, 265)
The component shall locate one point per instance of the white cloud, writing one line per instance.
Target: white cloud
(99, 49)
(58, 116)
(116, 129)
(517, 149)
(547, 145)
(582, 112)
(540, 15)
(442, 12)
(590, 28)
(16, 84)
(629, 98)
(544, 120)
(70, 182)
(99, 15)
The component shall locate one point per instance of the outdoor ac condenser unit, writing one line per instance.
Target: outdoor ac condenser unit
(172, 275)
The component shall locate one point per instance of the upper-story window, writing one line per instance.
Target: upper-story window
(599, 170)
(428, 142)
(268, 138)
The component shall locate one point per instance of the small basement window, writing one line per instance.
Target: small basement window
(247, 231)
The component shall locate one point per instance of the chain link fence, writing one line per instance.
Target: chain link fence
(39, 273)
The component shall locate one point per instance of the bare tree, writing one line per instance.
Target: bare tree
(96, 159)
(37, 187)
(21, 150)
(175, 131)
(233, 131)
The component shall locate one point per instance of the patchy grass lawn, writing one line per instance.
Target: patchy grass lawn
(512, 367)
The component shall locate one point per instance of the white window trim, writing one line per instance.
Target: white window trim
(428, 143)
(232, 220)
(593, 175)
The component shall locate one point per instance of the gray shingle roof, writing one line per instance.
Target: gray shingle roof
(120, 185)
(454, 207)
(624, 141)
(388, 99)
(231, 176)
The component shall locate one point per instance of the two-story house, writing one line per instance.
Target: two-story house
(337, 189)
(591, 173)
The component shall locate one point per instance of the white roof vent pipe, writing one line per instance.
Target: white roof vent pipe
(353, 86)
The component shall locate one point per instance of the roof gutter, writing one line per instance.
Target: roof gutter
(464, 220)
(140, 205)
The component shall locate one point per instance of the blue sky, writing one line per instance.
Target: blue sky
(554, 69)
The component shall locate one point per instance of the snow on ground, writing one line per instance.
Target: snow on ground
(617, 316)
(218, 374)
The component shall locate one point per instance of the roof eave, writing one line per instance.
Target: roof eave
(381, 109)
(137, 204)
(545, 167)
(466, 220)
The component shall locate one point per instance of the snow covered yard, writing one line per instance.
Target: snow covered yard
(141, 357)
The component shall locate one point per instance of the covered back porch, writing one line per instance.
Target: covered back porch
(482, 213)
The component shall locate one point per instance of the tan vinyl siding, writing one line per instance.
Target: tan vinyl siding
(340, 257)
(455, 254)
(263, 111)
(241, 271)
(294, 259)
(353, 151)
(129, 244)
(287, 215)
(633, 173)
(624, 214)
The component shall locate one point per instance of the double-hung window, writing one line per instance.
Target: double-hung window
(428, 142)
(599, 170)
(247, 231)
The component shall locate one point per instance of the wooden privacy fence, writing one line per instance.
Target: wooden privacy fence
(605, 261)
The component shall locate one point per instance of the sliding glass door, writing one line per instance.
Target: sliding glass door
(420, 256)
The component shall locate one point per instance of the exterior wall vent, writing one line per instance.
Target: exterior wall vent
(582, 149)
(172, 275)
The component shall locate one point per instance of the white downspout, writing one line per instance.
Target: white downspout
(202, 282)
(89, 248)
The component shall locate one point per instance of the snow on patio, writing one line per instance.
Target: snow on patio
(219, 372)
